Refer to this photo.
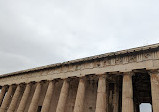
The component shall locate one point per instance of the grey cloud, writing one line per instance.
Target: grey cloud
(47, 32)
(37, 32)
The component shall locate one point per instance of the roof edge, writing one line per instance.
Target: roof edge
(121, 52)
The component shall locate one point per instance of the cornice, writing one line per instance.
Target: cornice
(133, 51)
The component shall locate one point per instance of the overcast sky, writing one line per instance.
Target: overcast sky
(41, 32)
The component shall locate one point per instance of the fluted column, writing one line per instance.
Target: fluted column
(3, 91)
(80, 96)
(35, 99)
(63, 97)
(48, 96)
(6, 101)
(14, 99)
(101, 95)
(24, 98)
(155, 90)
(127, 93)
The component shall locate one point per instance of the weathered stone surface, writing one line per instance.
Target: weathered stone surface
(24, 99)
(127, 94)
(101, 95)
(7, 99)
(35, 99)
(14, 100)
(48, 96)
(112, 82)
(63, 97)
(80, 96)
(155, 90)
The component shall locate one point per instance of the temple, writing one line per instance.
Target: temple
(112, 82)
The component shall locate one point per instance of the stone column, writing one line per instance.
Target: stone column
(48, 96)
(35, 99)
(127, 93)
(14, 99)
(101, 95)
(24, 98)
(80, 95)
(155, 90)
(7, 98)
(3, 91)
(63, 97)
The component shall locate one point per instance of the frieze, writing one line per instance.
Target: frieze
(119, 60)
(139, 57)
(78, 67)
(88, 65)
(125, 60)
(71, 68)
(147, 56)
(132, 59)
(101, 63)
(112, 61)
(107, 62)
(104, 64)
(156, 55)
(96, 64)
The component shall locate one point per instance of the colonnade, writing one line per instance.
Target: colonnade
(9, 97)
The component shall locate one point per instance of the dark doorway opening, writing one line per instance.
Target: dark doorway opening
(142, 92)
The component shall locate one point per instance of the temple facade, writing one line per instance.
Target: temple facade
(112, 82)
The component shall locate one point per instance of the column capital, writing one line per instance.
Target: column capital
(131, 73)
(30, 83)
(5, 86)
(21, 84)
(68, 79)
(154, 71)
(13, 85)
(40, 82)
(56, 80)
(82, 77)
(104, 75)
(50, 81)
(64, 78)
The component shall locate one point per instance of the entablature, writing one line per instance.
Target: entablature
(143, 59)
